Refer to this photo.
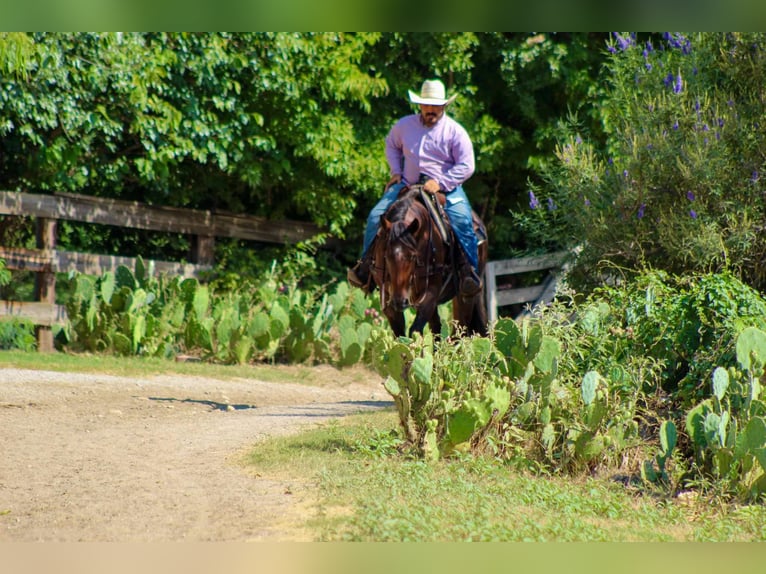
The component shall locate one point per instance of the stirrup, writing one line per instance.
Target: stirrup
(470, 283)
(355, 280)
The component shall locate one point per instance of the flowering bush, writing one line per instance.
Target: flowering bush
(677, 184)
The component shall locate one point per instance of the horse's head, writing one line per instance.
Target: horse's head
(406, 248)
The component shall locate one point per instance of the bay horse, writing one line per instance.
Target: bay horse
(413, 266)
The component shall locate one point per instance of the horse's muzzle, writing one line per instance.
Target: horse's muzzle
(400, 304)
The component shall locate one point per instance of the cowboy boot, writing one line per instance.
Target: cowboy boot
(470, 282)
(359, 275)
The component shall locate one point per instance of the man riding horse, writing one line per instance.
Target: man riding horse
(433, 149)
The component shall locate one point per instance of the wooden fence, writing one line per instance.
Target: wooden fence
(501, 278)
(46, 261)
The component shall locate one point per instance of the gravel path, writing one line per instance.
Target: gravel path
(107, 458)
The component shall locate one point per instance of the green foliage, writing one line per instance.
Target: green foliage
(447, 394)
(132, 313)
(728, 430)
(17, 335)
(5, 274)
(678, 185)
(274, 124)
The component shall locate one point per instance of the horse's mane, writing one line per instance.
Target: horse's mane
(396, 215)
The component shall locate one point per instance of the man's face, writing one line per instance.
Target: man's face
(431, 114)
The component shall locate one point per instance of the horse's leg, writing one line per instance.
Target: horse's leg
(425, 314)
(460, 313)
(479, 323)
(396, 320)
(435, 322)
(471, 314)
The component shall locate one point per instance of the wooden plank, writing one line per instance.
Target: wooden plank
(91, 264)
(133, 214)
(527, 264)
(88, 263)
(22, 259)
(37, 313)
(520, 295)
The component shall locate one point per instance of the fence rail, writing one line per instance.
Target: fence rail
(46, 260)
(543, 292)
(204, 227)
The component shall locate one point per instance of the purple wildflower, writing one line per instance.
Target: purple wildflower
(754, 177)
(623, 43)
(678, 41)
(693, 214)
(641, 209)
(625, 173)
(551, 204)
(668, 80)
(578, 139)
(678, 86)
(533, 203)
(720, 122)
(675, 125)
(690, 195)
(587, 202)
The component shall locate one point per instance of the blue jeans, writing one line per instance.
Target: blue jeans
(458, 209)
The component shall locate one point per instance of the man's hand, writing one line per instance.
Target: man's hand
(431, 186)
(394, 180)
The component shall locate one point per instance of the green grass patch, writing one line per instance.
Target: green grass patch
(366, 491)
(149, 366)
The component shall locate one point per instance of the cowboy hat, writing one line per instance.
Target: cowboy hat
(432, 93)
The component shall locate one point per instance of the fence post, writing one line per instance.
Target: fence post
(45, 281)
(490, 286)
(203, 249)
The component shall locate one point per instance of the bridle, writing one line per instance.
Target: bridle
(425, 268)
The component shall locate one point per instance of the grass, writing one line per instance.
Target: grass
(366, 491)
(147, 366)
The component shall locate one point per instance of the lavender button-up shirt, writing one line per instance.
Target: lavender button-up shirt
(443, 152)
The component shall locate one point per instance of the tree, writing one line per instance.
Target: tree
(283, 125)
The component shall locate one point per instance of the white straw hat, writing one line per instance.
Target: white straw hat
(431, 93)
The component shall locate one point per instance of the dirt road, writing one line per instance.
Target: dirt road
(88, 457)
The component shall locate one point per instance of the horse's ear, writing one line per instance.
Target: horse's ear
(386, 223)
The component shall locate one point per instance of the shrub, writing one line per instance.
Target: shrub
(679, 184)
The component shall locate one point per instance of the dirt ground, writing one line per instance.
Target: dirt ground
(102, 458)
